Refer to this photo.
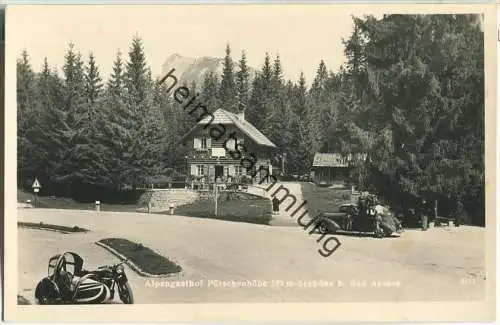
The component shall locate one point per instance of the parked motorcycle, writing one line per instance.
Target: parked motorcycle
(68, 283)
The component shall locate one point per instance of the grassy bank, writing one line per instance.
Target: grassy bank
(255, 210)
(322, 199)
(67, 203)
(145, 258)
(45, 226)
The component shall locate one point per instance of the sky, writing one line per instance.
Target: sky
(301, 35)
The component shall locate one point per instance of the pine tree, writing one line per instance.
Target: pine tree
(419, 91)
(45, 135)
(94, 152)
(261, 97)
(277, 72)
(76, 122)
(301, 96)
(242, 83)
(209, 91)
(316, 113)
(278, 105)
(139, 87)
(26, 97)
(227, 91)
(136, 78)
(74, 84)
(149, 147)
(117, 125)
(93, 86)
(25, 90)
(303, 158)
(320, 80)
(116, 81)
(267, 71)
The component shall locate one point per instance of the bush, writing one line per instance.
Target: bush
(251, 209)
(145, 258)
(287, 178)
(89, 193)
(42, 225)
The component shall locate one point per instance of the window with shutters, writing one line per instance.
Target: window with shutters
(238, 169)
(201, 170)
(204, 143)
(231, 144)
(196, 144)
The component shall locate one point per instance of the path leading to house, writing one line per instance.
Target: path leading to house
(280, 189)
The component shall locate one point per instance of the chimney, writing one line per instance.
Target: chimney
(241, 115)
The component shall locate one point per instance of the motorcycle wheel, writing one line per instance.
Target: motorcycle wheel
(44, 301)
(125, 293)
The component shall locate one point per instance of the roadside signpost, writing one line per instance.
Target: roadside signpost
(36, 188)
(216, 189)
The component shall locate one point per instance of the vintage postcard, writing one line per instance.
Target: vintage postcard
(258, 162)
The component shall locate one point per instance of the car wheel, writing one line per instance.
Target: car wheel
(379, 233)
(323, 228)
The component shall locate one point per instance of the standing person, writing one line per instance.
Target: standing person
(276, 205)
(378, 211)
(458, 213)
(422, 213)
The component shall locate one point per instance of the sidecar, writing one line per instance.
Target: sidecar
(68, 283)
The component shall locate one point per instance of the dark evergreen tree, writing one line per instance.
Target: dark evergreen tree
(76, 122)
(26, 100)
(209, 91)
(144, 139)
(317, 105)
(242, 83)
(422, 76)
(94, 152)
(301, 96)
(94, 85)
(136, 77)
(227, 92)
(261, 97)
(42, 156)
(116, 125)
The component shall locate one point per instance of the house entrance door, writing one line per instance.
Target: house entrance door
(219, 171)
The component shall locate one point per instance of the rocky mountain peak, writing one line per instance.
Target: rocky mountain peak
(189, 69)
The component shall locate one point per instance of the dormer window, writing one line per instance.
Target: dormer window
(201, 144)
(231, 144)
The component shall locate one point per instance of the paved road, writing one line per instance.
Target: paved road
(438, 264)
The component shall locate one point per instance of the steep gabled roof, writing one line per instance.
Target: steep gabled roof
(224, 117)
(335, 159)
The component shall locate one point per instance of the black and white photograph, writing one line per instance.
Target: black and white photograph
(178, 155)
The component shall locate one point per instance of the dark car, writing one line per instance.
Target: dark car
(352, 218)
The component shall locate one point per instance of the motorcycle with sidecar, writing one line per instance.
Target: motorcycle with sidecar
(68, 283)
